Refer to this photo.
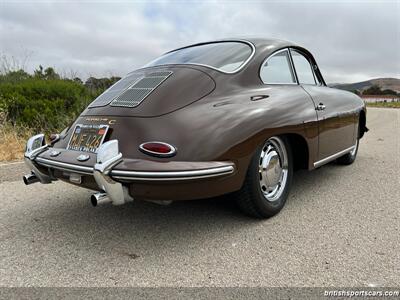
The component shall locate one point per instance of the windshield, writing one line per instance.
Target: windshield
(227, 57)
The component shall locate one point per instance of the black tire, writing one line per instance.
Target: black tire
(350, 157)
(251, 199)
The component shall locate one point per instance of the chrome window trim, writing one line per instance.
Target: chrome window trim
(253, 51)
(293, 67)
(333, 156)
(140, 175)
(286, 49)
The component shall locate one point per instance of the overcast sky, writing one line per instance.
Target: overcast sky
(351, 40)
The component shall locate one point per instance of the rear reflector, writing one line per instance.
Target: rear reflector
(158, 149)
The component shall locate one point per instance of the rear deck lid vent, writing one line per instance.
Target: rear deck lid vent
(134, 94)
(115, 90)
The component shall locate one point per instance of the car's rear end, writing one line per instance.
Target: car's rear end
(148, 136)
(128, 142)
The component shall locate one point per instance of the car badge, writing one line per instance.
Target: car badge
(55, 153)
(83, 157)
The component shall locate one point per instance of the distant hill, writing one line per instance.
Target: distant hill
(383, 83)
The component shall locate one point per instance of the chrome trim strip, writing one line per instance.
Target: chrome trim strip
(293, 67)
(140, 175)
(171, 175)
(333, 157)
(64, 166)
(253, 48)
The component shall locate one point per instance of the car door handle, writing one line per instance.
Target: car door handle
(258, 97)
(320, 106)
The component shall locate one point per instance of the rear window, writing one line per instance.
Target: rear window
(227, 57)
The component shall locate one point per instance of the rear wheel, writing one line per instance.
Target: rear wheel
(268, 179)
(350, 157)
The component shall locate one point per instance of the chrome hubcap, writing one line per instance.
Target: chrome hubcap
(273, 169)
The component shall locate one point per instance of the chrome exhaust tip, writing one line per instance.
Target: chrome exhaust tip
(99, 198)
(29, 179)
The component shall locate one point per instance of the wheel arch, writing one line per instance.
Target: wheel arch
(362, 122)
(300, 150)
(299, 146)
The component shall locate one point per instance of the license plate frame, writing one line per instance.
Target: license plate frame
(91, 146)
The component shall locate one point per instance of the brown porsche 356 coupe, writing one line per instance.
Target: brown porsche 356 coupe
(229, 116)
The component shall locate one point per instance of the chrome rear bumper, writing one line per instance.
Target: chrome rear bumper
(64, 166)
(140, 175)
(108, 177)
(107, 157)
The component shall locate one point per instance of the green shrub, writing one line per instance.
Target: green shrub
(42, 104)
(44, 101)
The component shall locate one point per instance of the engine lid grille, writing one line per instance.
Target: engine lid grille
(131, 90)
(140, 89)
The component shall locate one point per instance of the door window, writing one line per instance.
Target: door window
(277, 69)
(304, 71)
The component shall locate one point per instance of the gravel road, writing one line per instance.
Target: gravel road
(340, 227)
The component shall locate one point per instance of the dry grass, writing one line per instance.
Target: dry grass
(12, 142)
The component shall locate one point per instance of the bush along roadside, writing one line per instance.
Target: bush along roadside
(41, 102)
(44, 101)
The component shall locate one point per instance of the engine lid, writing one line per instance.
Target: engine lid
(153, 92)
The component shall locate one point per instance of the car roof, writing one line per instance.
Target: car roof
(262, 48)
(266, 42)
(269, 44)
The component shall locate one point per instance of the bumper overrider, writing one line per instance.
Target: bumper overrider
(110, 179)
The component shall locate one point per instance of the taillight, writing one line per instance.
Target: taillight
(158, 149)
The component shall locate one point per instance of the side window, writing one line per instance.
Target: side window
(303, 68)
(277, 69)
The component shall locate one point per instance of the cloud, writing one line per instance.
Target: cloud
(351, 40)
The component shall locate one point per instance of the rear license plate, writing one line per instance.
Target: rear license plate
(87, 137)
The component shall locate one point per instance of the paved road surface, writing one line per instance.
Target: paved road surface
(340, 227)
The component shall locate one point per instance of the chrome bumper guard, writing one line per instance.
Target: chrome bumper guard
(34, 147)
(108, 156)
